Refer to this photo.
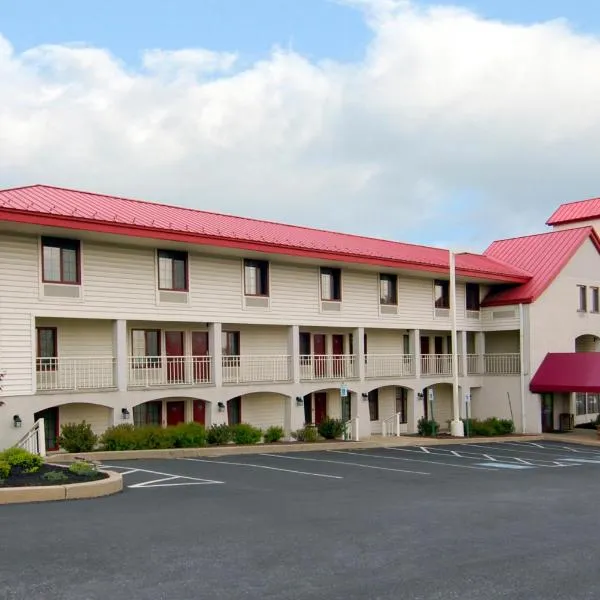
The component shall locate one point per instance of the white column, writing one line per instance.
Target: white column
(456, 425)
(415, 350)
(293, 416)
(359, 407)
(294, 352)
(480, 350)
(414, 410)
(359, 346)
(463, 353)
(216, 351)
(121, 354)
(466, 392)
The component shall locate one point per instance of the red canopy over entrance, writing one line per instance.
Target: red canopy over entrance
(567, 372)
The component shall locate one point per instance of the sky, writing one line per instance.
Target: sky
(442, 123)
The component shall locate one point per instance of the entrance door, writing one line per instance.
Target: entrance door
(175, 356)
(175, 412)
(200, 412)
(424, 352)
(319, 352)
(308, 406)
(234, 411)
(320, 399)
(199, 353)
(337, 349)
(547, 413)
(51, 425)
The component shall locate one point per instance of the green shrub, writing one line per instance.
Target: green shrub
(4, 469)
(489, 427)
(154, 437)
(427, 427)
(77, 437)
(21, 459)
(273, 434)
(308, 433)
(82, 467)
(55, 476)
(331, 429)
(243, 433)
(119, 437)
(187, 435)
(219, 434)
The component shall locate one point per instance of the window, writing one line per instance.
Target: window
(234, 411)
(595, 300)
(304, 343)
(402, 404)
(331, 288)
(388, 289)
(230, 343)
(60, 260)
(374, 405)
(256, 277)
(582, 298)
(148, 413)
(172, 270)
(441, 293)
(406, 344)
(47, 347)
(145, 346)
(472, 291)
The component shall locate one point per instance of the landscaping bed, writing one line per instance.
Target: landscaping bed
(41, 477)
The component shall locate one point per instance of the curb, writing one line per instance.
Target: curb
(73, 491)
(218, 451)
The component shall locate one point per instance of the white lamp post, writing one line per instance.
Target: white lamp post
(456, 425)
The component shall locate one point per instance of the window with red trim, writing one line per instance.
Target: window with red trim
(146, 348)
(47, 349)
(61, 260)
(172, 270)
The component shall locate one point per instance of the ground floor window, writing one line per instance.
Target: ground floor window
(402, 403)
(149, 413)
(374, 405)
(587, 404)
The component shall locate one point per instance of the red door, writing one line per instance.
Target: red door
(319, 352)
(424, 352)
(200, 354)
(337, 348)
(200, 412)
(175, 412)
(320, 406)
(175, 358)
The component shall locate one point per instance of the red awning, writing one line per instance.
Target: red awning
(567, 372)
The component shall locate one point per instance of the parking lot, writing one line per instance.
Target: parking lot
(511, 520)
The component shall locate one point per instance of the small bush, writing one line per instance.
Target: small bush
(427, 427)
(21, 459)
(119, 437)
(4, 469)
(489, 427)
(77, 437)
(331, 429)
(243, 433)
(55, 476)
(273, 434)
(308, 433)
(187, 435)
(154, 437)
(83, 468)
(219, 435)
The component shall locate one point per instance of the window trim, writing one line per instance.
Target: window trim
(393, 279)
(471, 285)
(595, 300)
(335, 273)
(41, 365)
(173, 255)
(62, 244)
(149, 361)
(445, 284)
(264, 277)
(582, 289)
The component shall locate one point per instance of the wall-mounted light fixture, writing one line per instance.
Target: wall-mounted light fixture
(299, 401)
(220, 406)
(420, 395)
(365, 396)
(17, 421)
(124, 414)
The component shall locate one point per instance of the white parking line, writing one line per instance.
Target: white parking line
(523, 450)
(164, 478)
(222, 462)
(343, 462)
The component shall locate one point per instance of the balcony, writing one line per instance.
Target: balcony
(380, 366)
(256, 369)
(494, 364)
(75, 374)
(433, 365)
(163, 371)
(327, 367)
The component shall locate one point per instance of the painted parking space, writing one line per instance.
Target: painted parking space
(136, 477)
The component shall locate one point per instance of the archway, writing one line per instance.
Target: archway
(171, 410)
(587, 343)
(328, 402)
(440, 409)
(259, 409)
(391, 410)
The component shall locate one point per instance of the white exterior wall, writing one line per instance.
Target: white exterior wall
(492, 400)
(502, 342)
(385, 341)
(81, 337)
(99, 417)
(263, 410)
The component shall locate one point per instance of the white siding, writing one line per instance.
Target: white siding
(442, 406)
(99, 417)
(17, 353)
(265, 340)
(385, 341)
(263, 410)
(492, 400)
(502, 342)
(81, 337)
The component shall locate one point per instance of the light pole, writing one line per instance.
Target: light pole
(456, 425)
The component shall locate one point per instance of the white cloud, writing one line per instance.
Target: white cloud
(452, 127)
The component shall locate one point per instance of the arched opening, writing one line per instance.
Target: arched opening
(587, 343)
(389, 410)
(259, 409)
(327, 402)
(439, 406)
(171, 411)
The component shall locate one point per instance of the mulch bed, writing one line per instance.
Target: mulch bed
(17, 479)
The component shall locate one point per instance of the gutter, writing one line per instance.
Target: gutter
(522, 366)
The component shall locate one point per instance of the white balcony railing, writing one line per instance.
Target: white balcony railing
(436, 364)
(159, 371)
(327, 367)
(72, 374)
(389, 365)
(256, 369)
(502, 364)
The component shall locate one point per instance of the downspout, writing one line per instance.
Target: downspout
(522, 365)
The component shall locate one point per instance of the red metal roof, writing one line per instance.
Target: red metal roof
(567, 372)
(572, 212)
(543, 255)
(59, 207)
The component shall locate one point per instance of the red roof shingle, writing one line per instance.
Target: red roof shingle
(47, 205)
(543, 255)
(573, 212)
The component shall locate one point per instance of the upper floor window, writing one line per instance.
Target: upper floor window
(230, 343)
(331, 283)
(256, 277)
(472, 293)
(582, 298)
(145, 347)
(172, 270)
(388, 289)
(595, 300)
(60, 260)
(47, 348)
(441, 293)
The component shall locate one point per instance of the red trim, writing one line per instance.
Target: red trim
(159, 234)
(183, 255)
(52, 366)
(333, 272)
(62, 281)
